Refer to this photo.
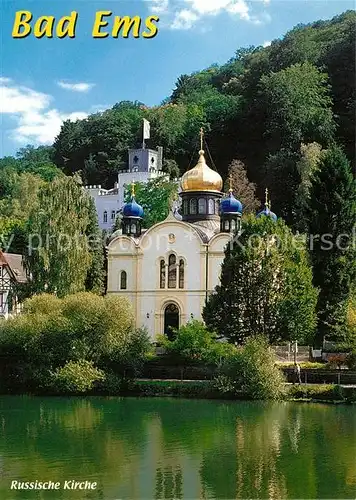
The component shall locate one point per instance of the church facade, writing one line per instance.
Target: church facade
(168, 271)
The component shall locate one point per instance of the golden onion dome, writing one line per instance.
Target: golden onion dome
(201, 177)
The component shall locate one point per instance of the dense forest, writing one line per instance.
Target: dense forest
(274, 108)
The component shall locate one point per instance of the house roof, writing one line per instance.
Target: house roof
(15, 263)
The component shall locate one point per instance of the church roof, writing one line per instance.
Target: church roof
(206, 229)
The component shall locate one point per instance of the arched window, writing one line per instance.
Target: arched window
(162, 274)
(181, 273)
(105, 217)
(193, 206)
(202, 206)
(172, 271)
(112, 214)
(185, 207)
(123, 280)
(226, 225)
(233, 225)
(217, 206)
(211, 206)
(133, 228)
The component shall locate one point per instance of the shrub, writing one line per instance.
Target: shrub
(336, 361)
(253, 371)
(174, 388)
(326, 392)
(76, 376)
(52, 331)
(304, 365)
(350, 360)
(44, 303)
(194, 343)
(225, 384)
(112, 384)
(130, 353)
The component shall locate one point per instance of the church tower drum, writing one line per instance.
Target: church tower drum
(201, 191)
(230, 213)
(132, 216)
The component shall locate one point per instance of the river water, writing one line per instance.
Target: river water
(158, 448)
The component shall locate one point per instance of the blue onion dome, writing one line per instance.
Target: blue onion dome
(230, 205)
(267, 212)
(132, 208)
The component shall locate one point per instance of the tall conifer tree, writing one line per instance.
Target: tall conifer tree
(95, 277)
(332, 220)
(266, 286)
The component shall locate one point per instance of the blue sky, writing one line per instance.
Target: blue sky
(44, 81)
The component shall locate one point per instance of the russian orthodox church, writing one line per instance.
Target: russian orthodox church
(168, 271)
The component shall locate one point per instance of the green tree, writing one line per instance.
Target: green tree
(299, 106)
(13, 237)
(22, 195)
(58, 257)
(307, 167)
(171, 168)
(156, 198)
(331, 224)
(38, 161)
(243, 189)
(102, 139)
(266, 286)
(95, 275)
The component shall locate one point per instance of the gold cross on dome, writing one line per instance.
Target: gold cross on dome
(201, 137)
(266, 200)
(230, 183)
(133, 188)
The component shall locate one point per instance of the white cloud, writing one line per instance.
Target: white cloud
(240, 8)
(184, 20)
(35, 121)
(209, 6)
(267, 43)
(159, 6)
(196, 9)
(76, 87)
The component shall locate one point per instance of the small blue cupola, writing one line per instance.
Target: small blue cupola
(132, 216)
(230, 205)
(230, 213)
(267, 212)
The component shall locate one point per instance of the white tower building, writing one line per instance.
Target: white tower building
(144, 164)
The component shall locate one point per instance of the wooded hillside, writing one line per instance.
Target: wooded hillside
(266, 107)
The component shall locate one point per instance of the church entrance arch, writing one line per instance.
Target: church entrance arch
(171, 319)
